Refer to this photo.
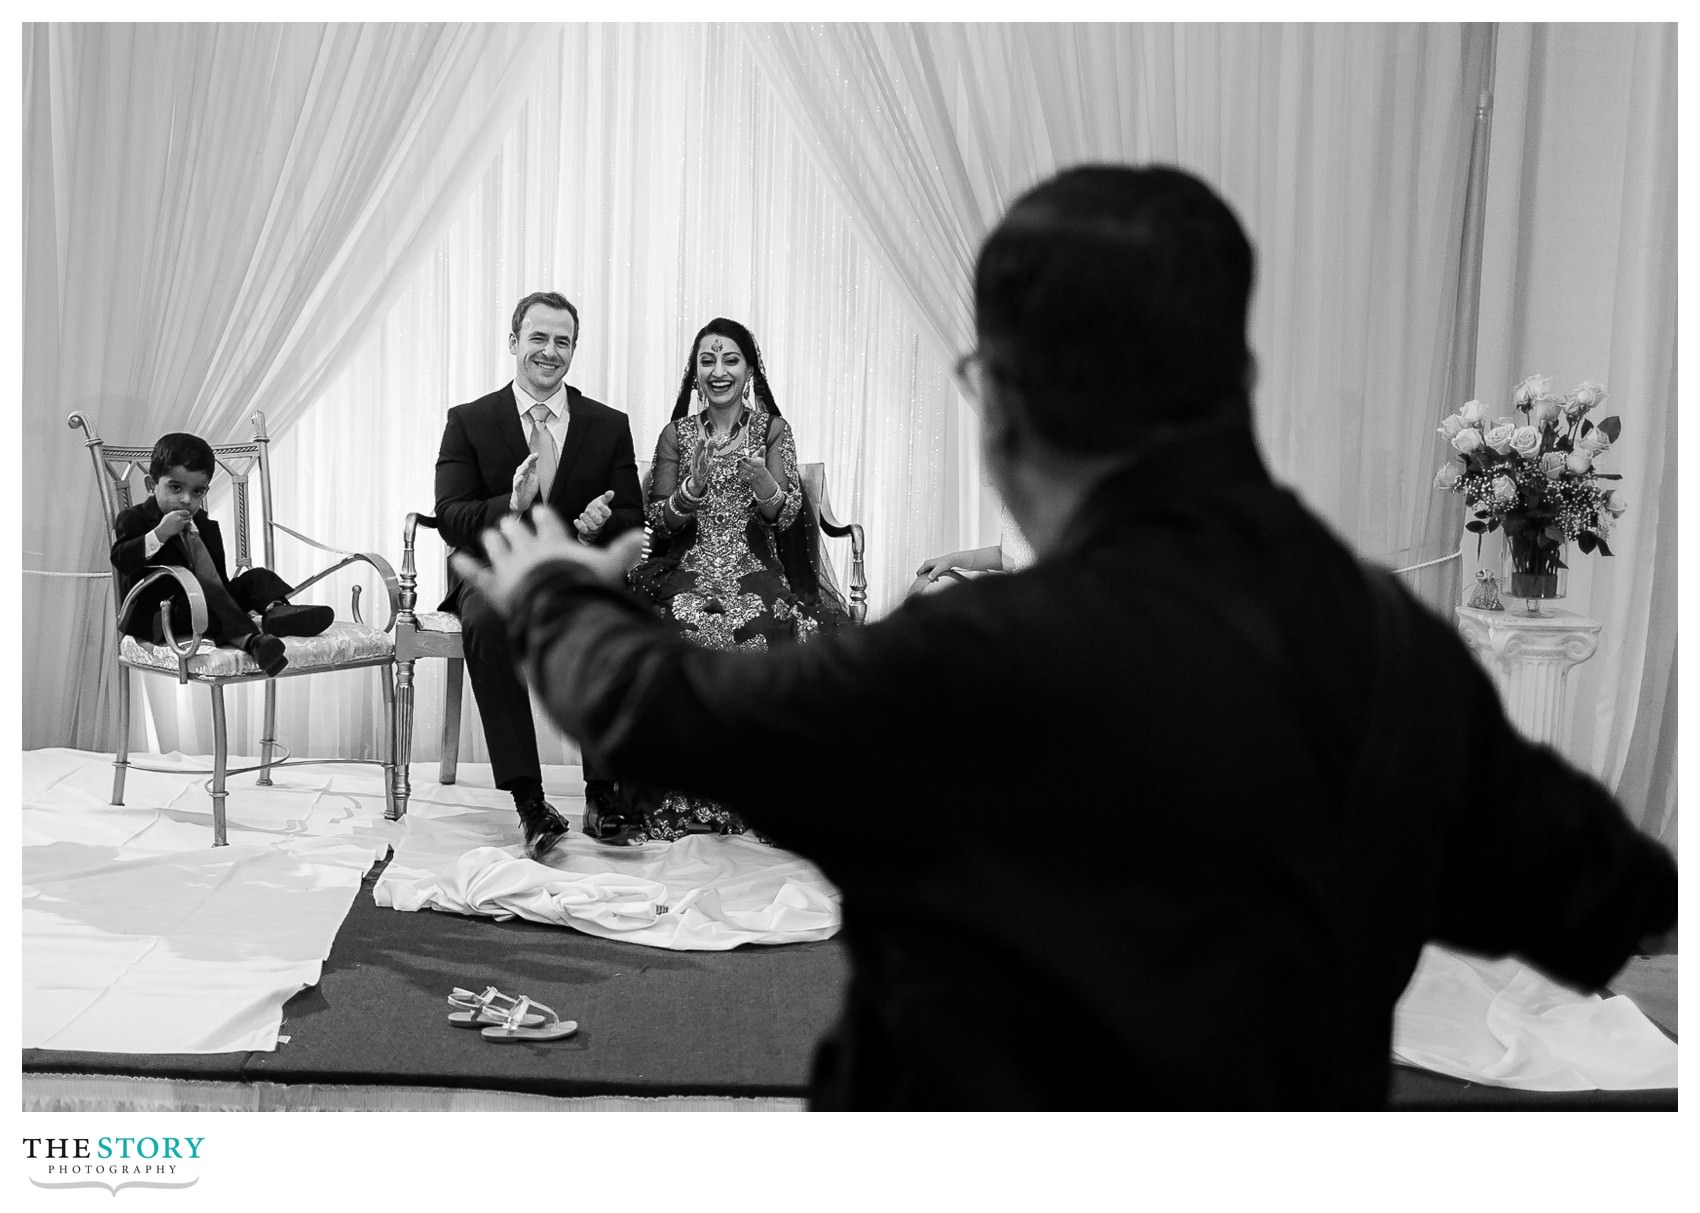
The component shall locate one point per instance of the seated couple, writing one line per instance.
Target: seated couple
(734, 559)
(172, 528)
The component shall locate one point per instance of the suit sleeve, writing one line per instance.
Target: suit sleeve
(129, 548)
(464, 506)
(627, 505)
(758, 730)
(1542, 861)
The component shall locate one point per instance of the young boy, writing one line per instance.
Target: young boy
(171, 527)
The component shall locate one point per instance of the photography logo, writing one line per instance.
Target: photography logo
(113, 1163)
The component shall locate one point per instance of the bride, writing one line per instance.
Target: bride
(736, 548)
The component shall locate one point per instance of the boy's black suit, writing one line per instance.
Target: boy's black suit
(228, 602)
(483, 443)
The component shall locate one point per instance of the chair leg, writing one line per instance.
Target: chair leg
(403, 734)
(395, 803)
(121, 758)
(268, 734)
(220, 761)
(448, 752)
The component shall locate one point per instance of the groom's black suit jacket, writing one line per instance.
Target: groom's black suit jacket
(484, 441)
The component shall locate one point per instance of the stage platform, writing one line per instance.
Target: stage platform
(659, 1029)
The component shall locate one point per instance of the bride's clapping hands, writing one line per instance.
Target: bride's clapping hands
(696, 479)
(753, 472)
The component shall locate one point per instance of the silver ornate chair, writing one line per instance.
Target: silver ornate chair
(347, 645)
(436, 634)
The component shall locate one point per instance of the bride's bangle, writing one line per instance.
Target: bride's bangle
(682, 503)
(771, 498)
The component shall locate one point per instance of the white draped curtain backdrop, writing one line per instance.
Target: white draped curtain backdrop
(828, 185)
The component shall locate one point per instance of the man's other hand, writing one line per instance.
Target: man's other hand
(514, 550)
(595, 516)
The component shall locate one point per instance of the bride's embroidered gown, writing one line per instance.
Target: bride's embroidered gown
(719, 578)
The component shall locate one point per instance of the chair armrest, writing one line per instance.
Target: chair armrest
(409, 569)
(385, 570)
(191, 590)
(858, 568)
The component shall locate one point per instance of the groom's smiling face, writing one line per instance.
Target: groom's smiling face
(543, 349)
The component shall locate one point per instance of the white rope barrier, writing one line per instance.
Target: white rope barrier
(1411, 568)
(107, 576)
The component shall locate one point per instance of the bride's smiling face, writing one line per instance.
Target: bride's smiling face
(722, 369)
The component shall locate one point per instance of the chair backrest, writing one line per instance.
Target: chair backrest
(118, 473)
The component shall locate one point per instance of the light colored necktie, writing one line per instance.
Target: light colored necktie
(199, 557)
(543, 446)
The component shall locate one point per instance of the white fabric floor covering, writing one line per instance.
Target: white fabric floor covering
(460, 851)
(1502, 1023)
(139, 936)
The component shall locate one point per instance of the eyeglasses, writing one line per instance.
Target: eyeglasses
(970, 372)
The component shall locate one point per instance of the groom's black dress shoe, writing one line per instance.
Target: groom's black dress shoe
(607, 821)
(543, 826)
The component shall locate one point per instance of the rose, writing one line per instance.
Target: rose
(1450, 473)
(1544, 411)
(1603, 524)
(1596, 442)
(1578, 462)
(1530, 390)
(1526, 441)
(1450, 427)
(1467, 440)
(1552, 463)
(1498, 436)
(1505, 489)
(1472, 412)
(1580, 401)
(1615, 503)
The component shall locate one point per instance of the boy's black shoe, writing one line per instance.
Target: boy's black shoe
(543, 826)
(267, 652)
(288, 619)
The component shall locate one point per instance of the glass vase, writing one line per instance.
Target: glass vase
(1533, 573)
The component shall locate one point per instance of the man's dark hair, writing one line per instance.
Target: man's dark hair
(184, 451)
(1114, 298)
(552, 299)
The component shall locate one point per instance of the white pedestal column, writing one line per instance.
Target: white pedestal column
(1529, 657)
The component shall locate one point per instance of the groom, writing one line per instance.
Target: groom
(534, 441)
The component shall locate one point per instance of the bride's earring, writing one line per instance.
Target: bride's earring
(747, 384)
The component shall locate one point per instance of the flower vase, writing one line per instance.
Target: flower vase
(1532, 572)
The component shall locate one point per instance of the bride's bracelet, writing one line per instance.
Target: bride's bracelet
(682, 503)
(774, 496)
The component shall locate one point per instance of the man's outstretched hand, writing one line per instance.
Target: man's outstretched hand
(514, 550)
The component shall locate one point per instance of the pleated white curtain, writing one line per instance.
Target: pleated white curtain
(652, 178)
(1345, 149)
(1580, 282)
(212, 213)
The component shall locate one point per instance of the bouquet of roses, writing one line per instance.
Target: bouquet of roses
(1534, 477)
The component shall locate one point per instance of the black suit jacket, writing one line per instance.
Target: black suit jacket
(1160, 822)
(129, 557)
(484, 441)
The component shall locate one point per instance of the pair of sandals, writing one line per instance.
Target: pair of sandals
(504, 1017)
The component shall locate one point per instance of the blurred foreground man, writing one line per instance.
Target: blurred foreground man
(1164, 820)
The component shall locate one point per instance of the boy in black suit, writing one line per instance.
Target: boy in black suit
(171, 527)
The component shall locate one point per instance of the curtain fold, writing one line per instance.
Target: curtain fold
(212, 216)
